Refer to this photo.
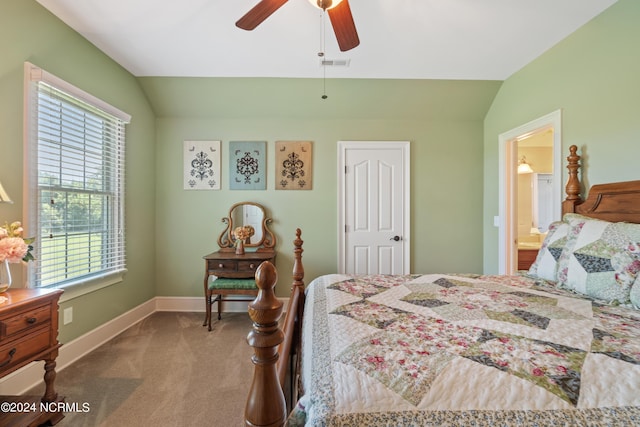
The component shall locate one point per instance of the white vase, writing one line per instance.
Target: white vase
(5, 276)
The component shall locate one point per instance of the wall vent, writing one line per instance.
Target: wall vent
(334, 62)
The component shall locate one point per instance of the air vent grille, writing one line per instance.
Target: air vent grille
(334, 62)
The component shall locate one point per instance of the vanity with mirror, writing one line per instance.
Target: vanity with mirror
(246, 242)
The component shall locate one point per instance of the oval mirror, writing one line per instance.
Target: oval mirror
(247, 214)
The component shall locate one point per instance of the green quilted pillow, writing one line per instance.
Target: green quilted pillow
(546, 264)
(601, 259)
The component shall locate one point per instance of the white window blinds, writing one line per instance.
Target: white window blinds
(75, 153)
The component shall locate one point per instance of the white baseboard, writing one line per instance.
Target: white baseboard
(22, 380)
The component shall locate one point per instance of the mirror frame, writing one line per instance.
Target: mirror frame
(226, 241)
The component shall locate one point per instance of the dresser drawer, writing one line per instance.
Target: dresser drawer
(25, 320)
(248, 265)
(23, 349)
(223, 265)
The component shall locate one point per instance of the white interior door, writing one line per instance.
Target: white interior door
(374, 207)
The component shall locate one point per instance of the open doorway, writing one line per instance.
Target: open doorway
(534, 210)
(528, 201)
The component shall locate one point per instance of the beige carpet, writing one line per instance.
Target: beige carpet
(164, 371)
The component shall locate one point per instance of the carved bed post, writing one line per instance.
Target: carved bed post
(298, 274)
(265, 404)
(292, 326)
(573, 183)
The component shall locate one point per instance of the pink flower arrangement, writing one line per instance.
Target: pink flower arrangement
(13, 246)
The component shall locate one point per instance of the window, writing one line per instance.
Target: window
(75, 147)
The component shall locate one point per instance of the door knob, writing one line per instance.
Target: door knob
(396, 238)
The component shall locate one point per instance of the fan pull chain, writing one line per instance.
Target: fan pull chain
(321, 55)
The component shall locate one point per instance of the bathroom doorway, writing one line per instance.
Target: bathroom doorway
(527, 141)
(534, 194)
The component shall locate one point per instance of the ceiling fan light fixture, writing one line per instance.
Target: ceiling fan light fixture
(325, 4)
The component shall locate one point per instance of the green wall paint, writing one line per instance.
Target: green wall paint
(442, 119)
(446, 194)
(30, 33)
(594, 77)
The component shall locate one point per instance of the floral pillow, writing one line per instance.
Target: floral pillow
(601, 259)
(546, 264)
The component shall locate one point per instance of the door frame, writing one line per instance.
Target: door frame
(343, 146)
(508, 163)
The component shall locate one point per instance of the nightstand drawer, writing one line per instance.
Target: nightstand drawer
(248, 265)
(23, 321)
(23, 349)
(223, 265)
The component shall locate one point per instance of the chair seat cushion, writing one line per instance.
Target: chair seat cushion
(237, 284)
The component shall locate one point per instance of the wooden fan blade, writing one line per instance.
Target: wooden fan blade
(343, 26)
(259, 13)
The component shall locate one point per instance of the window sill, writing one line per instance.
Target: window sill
(75, 290)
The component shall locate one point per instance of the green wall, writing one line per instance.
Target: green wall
(441, 119)
(593, 76)
(30, 33)
(446, 177)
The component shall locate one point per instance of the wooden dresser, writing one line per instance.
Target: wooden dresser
(29, 332)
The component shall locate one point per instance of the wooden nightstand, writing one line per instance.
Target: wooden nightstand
(29, 332)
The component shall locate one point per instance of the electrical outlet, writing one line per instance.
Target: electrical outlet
(67, 316)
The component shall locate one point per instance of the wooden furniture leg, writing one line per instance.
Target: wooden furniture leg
(50, 394)
(207, 302)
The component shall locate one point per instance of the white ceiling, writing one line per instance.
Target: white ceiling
(405, 39)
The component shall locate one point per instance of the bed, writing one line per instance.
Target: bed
(558, 344)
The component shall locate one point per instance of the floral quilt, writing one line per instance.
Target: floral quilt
(465, 350)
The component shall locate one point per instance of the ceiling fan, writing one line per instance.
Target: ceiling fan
(338, 10)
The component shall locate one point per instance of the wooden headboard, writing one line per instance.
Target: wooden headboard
(615, 202)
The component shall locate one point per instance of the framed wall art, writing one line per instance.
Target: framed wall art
(247, 165)
(201, 161)
(293, 165)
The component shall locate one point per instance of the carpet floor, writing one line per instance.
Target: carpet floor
(166, 370)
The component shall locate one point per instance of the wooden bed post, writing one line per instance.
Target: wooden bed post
(298, 269)
(573, 183)
(266, 405)
(298, 285)
(292, 327)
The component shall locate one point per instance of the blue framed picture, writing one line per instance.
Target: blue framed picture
(247, 165)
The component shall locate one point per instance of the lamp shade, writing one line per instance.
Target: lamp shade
(524, 167)
(4, 197)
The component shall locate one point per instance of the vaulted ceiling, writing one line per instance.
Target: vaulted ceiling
(399, 39)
